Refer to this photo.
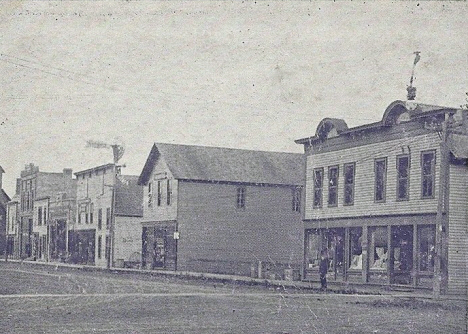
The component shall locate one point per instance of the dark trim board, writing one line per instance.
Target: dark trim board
(420, 219)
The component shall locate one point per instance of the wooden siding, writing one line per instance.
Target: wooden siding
(364, 156)
(127, 234)
(163, 212)
(458, 234)
(215, 236)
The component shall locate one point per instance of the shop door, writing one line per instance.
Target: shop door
(159, 248)
(401, 256)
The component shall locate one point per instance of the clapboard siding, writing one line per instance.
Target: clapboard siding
(215, 236)
(363, 156)
(458, 222)
(163, 212)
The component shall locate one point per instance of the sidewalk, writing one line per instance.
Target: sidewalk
(403, 292)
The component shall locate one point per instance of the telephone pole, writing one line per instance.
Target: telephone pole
(440, 264)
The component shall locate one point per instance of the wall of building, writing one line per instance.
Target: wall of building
(127, 234)
(458, 229)
(363, 156)
(216, 236)
(94, 192)
(163, 212)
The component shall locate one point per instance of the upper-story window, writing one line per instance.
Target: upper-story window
(296, 199)
(99, 221)
(240, 199)
(159, 193)
(45, 215)
(380, 171)
(427, 174)
(91, 213)
(318, 187)
(349, 175)
(39, 216)
(108, 217)
(403, 168)
(168, 192)
(150, 194)
(333, 186)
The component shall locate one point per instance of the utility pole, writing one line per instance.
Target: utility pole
(442, 206)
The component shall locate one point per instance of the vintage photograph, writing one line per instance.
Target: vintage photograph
(264, 167)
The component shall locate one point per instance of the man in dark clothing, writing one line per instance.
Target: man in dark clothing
(323, 269)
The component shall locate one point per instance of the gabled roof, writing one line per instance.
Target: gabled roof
(128, 196)
(203, 163)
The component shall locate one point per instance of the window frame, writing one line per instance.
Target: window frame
(319, 204)
(296, 199)
(240, 197)
(351, 185)
(334, 187)
(433, 174)
(169, 192)
(99, 219)
(39, 216)
(384, 180)
(159, 200)
(399, 178)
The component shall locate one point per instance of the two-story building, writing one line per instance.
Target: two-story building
(221, 210)
(372, 198)
(108, 205)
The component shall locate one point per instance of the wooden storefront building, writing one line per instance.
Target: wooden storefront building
(221, 210)
(372, 198)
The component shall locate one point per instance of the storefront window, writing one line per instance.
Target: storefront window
(313, 249)
(426, 248)
(378, 248)
(334, 243)
(355, 249)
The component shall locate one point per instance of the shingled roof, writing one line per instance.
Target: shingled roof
(128, 196)
(458, 145)
(203, 163)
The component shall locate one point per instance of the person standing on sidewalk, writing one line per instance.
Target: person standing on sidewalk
(323, 269)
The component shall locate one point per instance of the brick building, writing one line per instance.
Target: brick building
(108, 204)
(211, 209)
(372, 198)
(37, 191)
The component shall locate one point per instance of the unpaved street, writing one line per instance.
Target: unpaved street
(39, 300)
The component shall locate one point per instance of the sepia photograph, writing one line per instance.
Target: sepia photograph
(251, 167)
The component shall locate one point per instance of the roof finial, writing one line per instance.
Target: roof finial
(412, 90)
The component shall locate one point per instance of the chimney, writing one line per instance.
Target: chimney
(1, 174)
(67, 173)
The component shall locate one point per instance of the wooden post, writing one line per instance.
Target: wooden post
(390, 257)
(415, 269)
(365, 249)
(346, 254)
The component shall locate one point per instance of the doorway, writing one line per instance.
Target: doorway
(401, 257)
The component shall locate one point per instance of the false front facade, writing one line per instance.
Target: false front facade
(372, 198)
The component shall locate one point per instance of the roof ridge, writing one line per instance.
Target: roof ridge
(227, 148)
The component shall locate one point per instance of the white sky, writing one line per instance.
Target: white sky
(243, 75)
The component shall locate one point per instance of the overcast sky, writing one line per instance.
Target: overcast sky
(253, 75)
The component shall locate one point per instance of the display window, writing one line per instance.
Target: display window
(378, 248)
(313, 246)
(426, 248)
(355, 248)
